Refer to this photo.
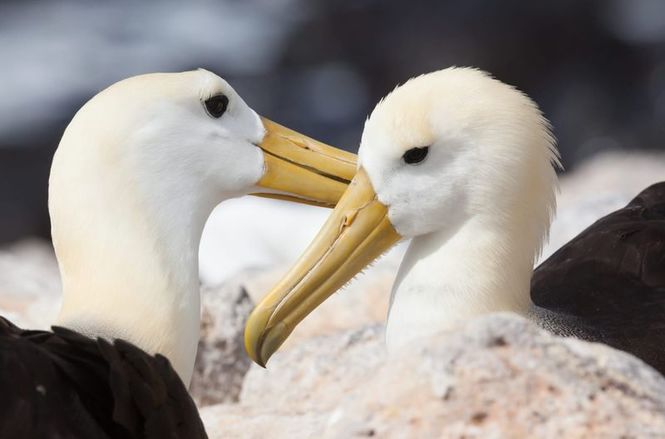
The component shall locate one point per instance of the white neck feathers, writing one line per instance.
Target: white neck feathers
(128, 257)
(448, 277)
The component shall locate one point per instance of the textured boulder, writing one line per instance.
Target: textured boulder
(221, 362)
(497, 377)
(317, 374)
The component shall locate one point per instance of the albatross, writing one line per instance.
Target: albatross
(465, 166)
(135, 176)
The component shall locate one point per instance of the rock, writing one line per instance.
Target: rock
(233, 421)
(30, 289)
(498, 377)
(317, 374)
(221, 361)
(502, 377)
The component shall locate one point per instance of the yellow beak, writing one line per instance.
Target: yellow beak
(357, 232)
(299, 168)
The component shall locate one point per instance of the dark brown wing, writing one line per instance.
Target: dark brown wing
(608, 283)
(65, 385)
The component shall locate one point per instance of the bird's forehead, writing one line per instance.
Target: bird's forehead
(398, 124)
(197, 84)
(211, 84)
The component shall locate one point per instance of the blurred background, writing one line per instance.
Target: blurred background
(597, 68)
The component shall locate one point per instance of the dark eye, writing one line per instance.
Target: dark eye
(216, 105)
(415, 155)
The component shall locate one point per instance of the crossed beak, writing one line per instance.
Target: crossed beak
(299, 168)
(357, 232)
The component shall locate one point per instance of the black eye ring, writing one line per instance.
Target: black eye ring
(415, 155)
(216, 105)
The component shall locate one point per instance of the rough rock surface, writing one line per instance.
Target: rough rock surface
(221, 362)
(499, 377)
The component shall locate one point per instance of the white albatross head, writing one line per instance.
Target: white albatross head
(136, 175)
(461, 163)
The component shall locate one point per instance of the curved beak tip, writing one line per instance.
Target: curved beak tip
(262, 343)
(253, 340)
(257, 351)
(262, 340)
(254, 350)
(260, 362)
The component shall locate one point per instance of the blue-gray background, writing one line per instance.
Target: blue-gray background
(597, 68)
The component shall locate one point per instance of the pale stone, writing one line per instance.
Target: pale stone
(221, 362)
(498, 377)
